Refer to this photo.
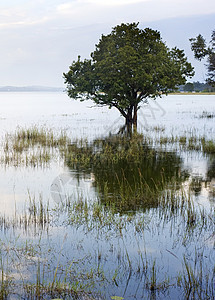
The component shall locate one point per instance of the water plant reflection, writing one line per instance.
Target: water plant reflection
(128, 173)
(144, 233)
(198, 183)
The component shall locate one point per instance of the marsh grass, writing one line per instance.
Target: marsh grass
(207, 115)
(39, 213)
(108, 151)
(32, 147)
(73, 281)
(127, 206)
(187, 143)
(208, 146)
(33, 136)
(37, 146)
(35, 215)
(195, 284)
(173, 208)
(32, 277)
(5, 279)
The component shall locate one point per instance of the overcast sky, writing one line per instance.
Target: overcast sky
(40, 38)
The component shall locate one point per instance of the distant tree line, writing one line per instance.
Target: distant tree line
(196, 87)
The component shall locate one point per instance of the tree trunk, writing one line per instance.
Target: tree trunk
(135, 118)
(131, 119)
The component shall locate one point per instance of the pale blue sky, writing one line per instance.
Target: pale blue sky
(40, 38)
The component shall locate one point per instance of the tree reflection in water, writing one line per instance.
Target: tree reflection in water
(211, 180)
(128, 173)
(198, 183)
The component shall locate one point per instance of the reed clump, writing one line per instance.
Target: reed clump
(110, 151)
(207, 115)
(187, 143)
(38, 136)
(208, 146)
(82, 154)
(195, 284)
(32, 146)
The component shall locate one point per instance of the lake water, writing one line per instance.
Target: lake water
(114, 259)
(177, 113)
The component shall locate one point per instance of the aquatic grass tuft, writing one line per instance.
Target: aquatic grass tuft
(207, 115)
(208, 146)
(32, 146)
(195, 285)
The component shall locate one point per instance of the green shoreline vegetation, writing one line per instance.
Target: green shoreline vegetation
(122, 206)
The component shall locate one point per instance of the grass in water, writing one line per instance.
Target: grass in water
(139, 189)
(32, 147)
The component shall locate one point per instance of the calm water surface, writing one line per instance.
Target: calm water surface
(162, 241)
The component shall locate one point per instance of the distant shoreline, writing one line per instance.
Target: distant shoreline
(192, 94)
(31, 89)
(10, 89)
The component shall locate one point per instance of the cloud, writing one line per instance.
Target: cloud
(115, 2)
(69, 5)
(115, 11)
(84, 12)
(5, 13)
(26, 22)
(42, 37)
(65, 7)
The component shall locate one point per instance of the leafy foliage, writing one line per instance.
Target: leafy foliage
(198, 46)
(200, 49)
(128, 66)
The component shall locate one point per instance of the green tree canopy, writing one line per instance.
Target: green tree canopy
(201, 50)
(128, 66)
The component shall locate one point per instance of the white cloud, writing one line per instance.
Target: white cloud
(63, 8)
(115, 2)
(83, 12)
(26, 22)
(5, 13)
(46, 35)
(115, 11)
(81, 3)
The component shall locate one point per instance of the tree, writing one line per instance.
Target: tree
(189, 87)
(128, 66)
(200, 49)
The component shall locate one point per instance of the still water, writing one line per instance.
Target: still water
(83, 119)
(115, 257)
